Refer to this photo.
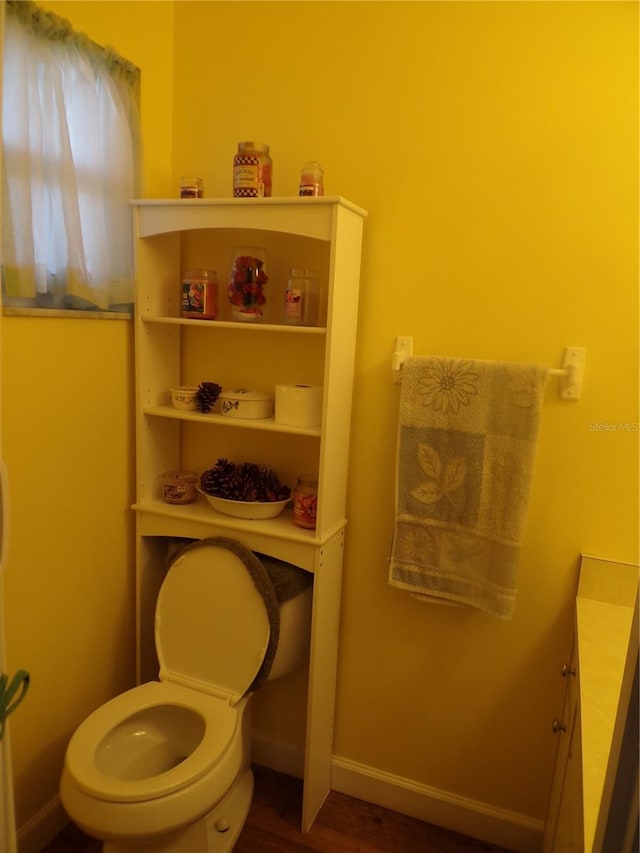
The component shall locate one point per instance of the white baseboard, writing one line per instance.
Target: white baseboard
(43, 827)
(479, 820)
(459, 814)
(277, 755)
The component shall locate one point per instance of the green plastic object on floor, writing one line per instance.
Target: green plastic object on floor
(8, 690)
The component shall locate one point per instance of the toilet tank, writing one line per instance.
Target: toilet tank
(294, 591)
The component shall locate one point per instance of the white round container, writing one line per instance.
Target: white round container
(246, 403)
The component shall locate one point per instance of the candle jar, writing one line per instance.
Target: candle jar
(191, 187)
(302, 298)
(305, 501)
(246, 283)
(200, 294)
(252, 168)
(311, 179)
(179, 487)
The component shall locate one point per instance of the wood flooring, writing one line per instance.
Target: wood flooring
(344, 825)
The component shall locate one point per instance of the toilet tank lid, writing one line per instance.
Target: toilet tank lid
(217, 618)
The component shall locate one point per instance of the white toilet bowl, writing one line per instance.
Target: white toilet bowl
(164, 767)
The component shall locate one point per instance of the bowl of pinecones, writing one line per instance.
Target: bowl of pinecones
(244, 490)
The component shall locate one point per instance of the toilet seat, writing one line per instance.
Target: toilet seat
(217, 617)
(220, 730)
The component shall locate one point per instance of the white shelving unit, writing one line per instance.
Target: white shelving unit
(174, 235)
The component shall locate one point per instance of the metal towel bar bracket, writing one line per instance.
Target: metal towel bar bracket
(571, 374)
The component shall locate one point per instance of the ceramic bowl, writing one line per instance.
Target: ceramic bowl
(245, 509)
(184, 397)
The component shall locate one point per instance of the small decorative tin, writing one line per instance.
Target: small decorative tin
(179, 487)
(200, 294)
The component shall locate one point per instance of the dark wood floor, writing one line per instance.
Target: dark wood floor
(344, 825)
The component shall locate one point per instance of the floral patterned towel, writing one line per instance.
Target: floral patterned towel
(466, 447)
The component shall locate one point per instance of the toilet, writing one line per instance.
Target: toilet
(165, 767)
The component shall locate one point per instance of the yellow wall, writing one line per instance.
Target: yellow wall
(67, 416)
(495, 148)
(69, 581)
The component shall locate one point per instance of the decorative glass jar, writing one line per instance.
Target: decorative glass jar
(246, 283)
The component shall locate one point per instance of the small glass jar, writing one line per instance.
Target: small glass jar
(200, 294)
(191, 187)
(302, 298)
(247, 279)
(252, 171)
(311, 179)
(179, 487)
(305, 501)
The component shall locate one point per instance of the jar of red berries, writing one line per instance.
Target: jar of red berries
(246, 283)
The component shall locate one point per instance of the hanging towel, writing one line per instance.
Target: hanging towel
(466, 447)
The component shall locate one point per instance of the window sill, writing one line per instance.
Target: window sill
(66, 313)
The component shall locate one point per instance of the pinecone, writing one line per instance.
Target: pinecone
(218, 481)
(271, 489)
(207, 394)
(243, 482)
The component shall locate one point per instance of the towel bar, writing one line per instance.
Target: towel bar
(571, 374)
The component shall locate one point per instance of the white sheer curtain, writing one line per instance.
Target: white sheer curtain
(70, 166)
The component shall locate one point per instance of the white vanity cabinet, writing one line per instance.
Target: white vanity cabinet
(564, 832)
(173, 236)
(593, 807)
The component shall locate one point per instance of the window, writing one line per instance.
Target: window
(70, 148)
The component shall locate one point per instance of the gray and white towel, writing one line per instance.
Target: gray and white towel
(466, 448)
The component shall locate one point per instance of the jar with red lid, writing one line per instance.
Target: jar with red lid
(252, 169)
(200, 294)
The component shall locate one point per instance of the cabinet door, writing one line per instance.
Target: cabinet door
(564, 829)
(569, 834)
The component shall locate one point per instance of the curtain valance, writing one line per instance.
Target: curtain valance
(48, 25)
